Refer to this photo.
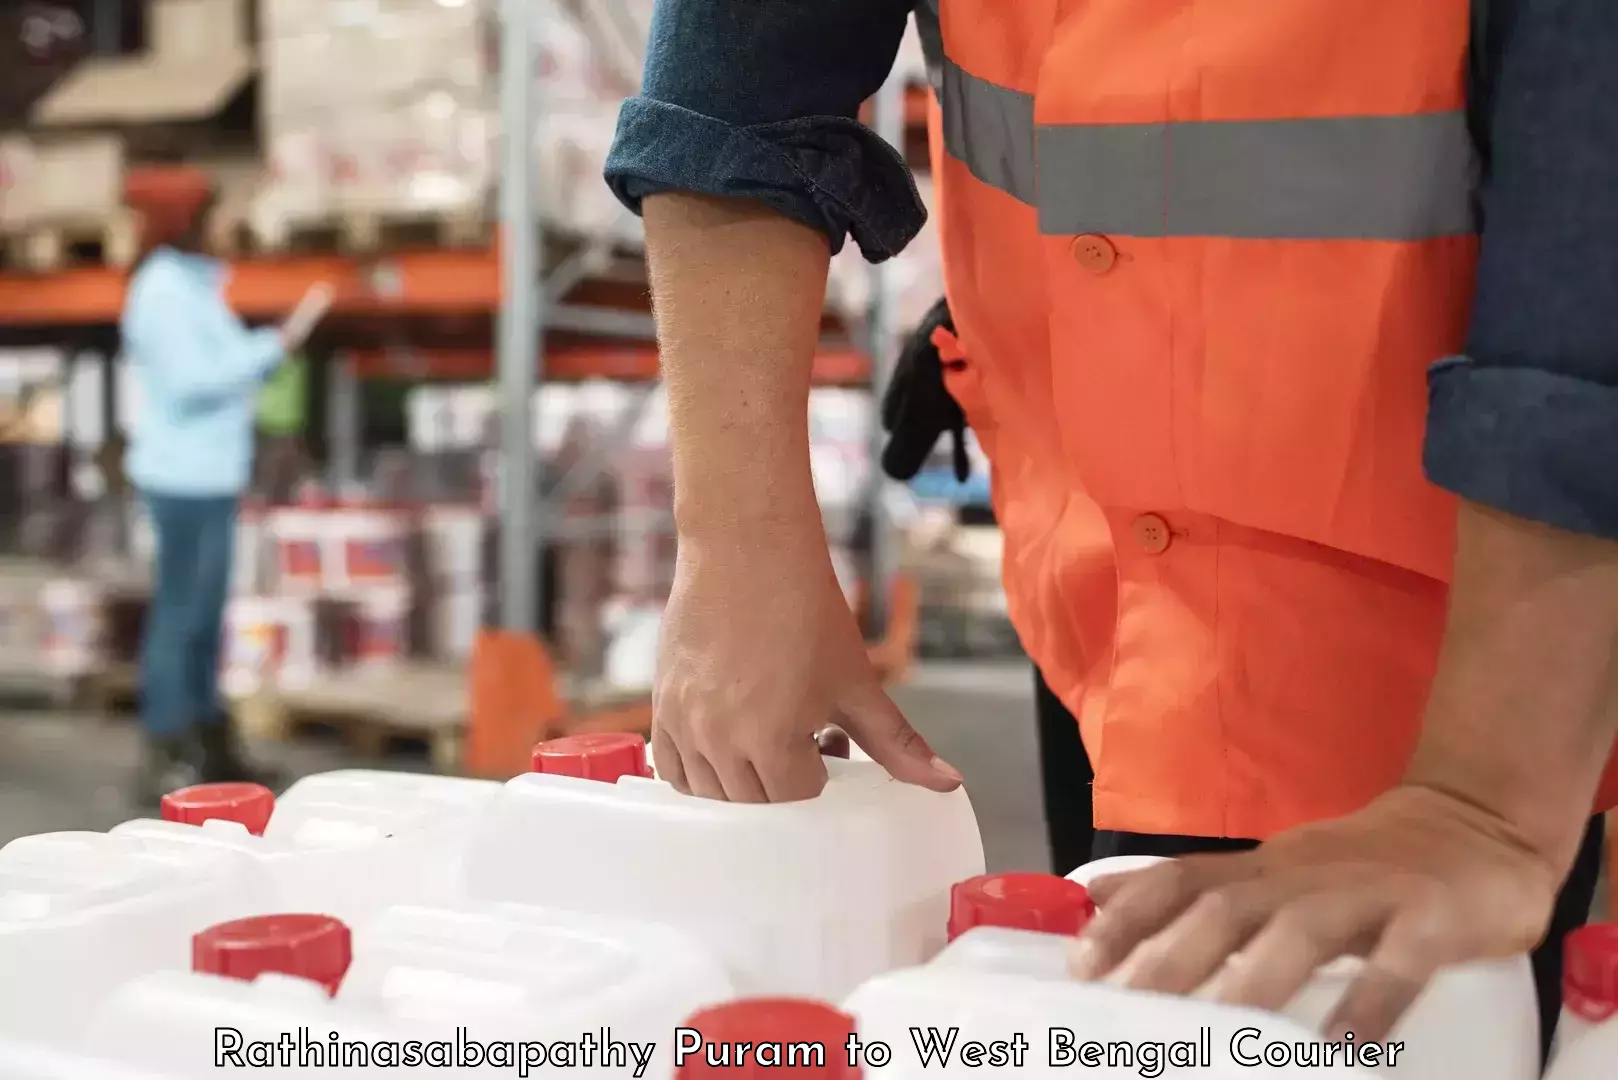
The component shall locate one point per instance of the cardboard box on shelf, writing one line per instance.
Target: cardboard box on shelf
(268, 640)
(71, 612)
(64, 180)
(383, 614)
(16, 173)
(432, 155)
(457, 616)
(196, 29)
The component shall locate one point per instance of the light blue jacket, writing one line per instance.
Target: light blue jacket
(198, 369)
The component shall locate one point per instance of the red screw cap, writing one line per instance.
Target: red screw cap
(768, 1027)
(1041, 902)
(250, 805)
(603, 756)
(313, 947)
(1590, 971)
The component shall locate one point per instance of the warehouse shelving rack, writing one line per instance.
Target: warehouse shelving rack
(447, 314)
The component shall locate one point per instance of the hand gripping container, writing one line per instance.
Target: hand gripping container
(805, 898)
(507, 972)
(82, 912)
(1587, 1035)
(998, 976)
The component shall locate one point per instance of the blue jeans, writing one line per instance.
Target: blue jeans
(196, 540)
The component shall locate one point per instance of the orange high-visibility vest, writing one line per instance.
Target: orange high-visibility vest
(1200, 256)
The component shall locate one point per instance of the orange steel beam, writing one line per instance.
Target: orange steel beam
(448, 282)
(624, 363)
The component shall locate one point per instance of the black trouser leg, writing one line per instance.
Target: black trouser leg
(1065, 778)
(1572, 911)
(1572, 904)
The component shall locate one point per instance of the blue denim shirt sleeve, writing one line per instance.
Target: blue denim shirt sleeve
(757, 99)
(1527, 421)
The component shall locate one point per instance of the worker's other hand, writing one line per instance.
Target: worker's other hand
(1416, 881)
(757, 656)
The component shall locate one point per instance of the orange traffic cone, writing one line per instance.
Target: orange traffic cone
(514, 703)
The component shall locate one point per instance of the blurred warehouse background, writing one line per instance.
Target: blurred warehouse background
(360, 142)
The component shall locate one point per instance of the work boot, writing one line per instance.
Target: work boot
(168, 763)
(222, 761)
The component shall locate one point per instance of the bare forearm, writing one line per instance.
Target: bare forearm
(1525, 706)
(738, 291)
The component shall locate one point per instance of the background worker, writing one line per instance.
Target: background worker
(1201, 378)
(198, 370)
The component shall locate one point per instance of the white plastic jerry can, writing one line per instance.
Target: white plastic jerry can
(259, 997)
(418, 992)
(1004, 975)
(805, 898)
(31, 1061)
(348, 858)
(352, 842)
(82, 912)
(506, 972)
(1586, 1044)
(1118, 864)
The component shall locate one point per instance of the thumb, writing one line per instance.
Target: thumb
(874, 722)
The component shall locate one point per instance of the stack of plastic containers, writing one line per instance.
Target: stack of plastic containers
(354, 841)
(523, 973)
(1587, 1035)
(260, 996)
(25, 1061)
(438, 993)
(346, 842)
(806, 898)
(998, 1000)
(82, 912)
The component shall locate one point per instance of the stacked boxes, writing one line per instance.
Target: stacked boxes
(60, 180)
(382, 107)
(330, 588)
(390, 108)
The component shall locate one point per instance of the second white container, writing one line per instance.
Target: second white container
(805, 898)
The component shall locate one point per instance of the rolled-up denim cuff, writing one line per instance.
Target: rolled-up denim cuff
(828, 172)
(1533, 443)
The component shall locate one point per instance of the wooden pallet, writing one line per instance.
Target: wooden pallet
(368, 712)
(114, 690)
(377, 231)
(301, 237)
(363, 233)
(111, 241)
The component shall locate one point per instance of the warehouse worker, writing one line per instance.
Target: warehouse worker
(198, 370)
(1200, 259)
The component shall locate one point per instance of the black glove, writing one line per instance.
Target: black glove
(918, 408)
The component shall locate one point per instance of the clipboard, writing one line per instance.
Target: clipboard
(307, 315)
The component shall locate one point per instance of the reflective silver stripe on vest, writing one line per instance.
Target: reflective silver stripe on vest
(1393, 178)
(990, 130)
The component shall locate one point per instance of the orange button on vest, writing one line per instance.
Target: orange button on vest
(1152, 533)
(1294, 197)
(1095, 253)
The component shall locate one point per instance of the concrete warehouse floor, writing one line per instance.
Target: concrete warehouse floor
(69, 771)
